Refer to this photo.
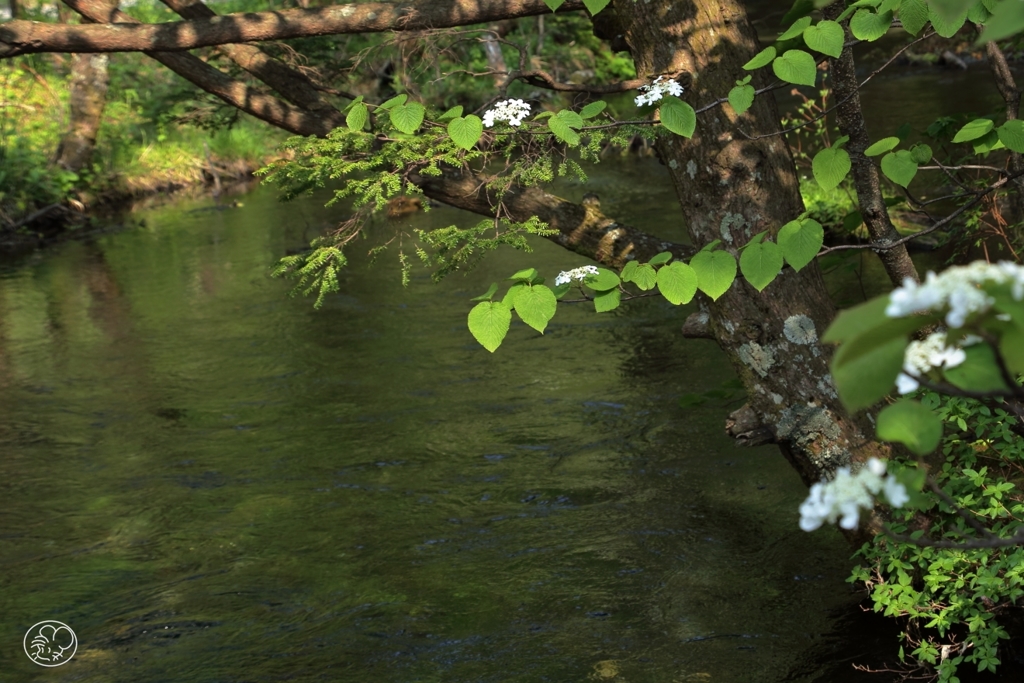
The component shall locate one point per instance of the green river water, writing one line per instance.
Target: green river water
(210, 481)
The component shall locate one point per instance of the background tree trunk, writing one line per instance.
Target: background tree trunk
(88, 87)
(731, 188)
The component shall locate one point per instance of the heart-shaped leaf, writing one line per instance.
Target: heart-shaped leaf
(800, 241)
(741, 97)
(796, 66)
(830, 166)
(466, 132)
(407, 117)
(604, 280)
(760, 263)
(536, 305)
(488, 323)
(921, 153)
(899, 167)
(913, 15)
(678, 116)
(595, 6)
(715, 270)
(607, 301)
(947, 18)
(1012, 135)
(826, 37)
(867, 25)
(677, 282)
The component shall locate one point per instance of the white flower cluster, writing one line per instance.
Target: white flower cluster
(957, 289)
(578, 274)
(649, 94)
(512, 111)
(847, 493)
(921, 356)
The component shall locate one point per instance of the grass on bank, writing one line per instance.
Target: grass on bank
(134, 154)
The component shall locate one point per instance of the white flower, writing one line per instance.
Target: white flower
(511, 111)
(579, 274)
(922, 356)
(847, 494)
(957, 291)
(649, 94)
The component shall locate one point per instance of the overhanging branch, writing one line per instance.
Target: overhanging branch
(25, 37)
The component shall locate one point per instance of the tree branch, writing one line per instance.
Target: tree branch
(26, 37)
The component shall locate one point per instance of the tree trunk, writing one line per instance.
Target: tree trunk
(88, 86)
(850, 117)
(731, 188)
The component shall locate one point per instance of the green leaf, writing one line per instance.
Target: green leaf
(526, 275)
(407, 117)
(553, 5)
(796, 29)
(866, 25)
(979, 372)
(453, 113)
(1012, 135)
(488, 323)
(536, 305)
(921, 154)
(911, 424)
(741, 98)
(882, 146)
(761, 263)
(852, 221)
(977, 14)
(595, 6)
(660, 258)
(948, 16)
(899, 167)
(627, 271)
(1011, 348)
(604, 280)
(715, 272)
(865, 380)
(561, 290)
(853, 321)
(357, 117)
(762, 58)
(644, 276)
(888, 6)
(466, 132)
(974, 130)
(607, 301)
(830, 166)
(987, 143)
(678, 116)
(593, 109)
(677, 282)
(510, 296)
(1006, 20)
(796, 66)
(570, 117)
(563, 132)
(800, 241)
(881, 331)
(488, 294)
(913, 15)
(394, 102)
(826, 37)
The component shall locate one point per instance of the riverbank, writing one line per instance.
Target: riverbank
(138, 153)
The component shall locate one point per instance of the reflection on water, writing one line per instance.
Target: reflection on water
(209, 481)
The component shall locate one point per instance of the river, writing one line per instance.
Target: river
(210, 481)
